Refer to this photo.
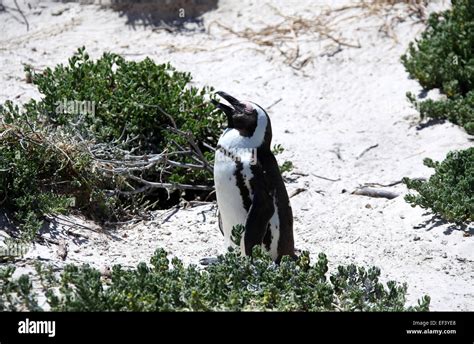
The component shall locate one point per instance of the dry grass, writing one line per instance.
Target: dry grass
(286, 36)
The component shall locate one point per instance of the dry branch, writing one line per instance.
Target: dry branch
(115, 158)
(284, 36)
(170, 186)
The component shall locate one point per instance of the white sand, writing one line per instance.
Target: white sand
(347, 102)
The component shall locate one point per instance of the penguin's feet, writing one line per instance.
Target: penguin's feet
(208, 261)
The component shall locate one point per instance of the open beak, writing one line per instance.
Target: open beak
(237, 106)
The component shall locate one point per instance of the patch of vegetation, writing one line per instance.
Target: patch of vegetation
(16, 294)
(109, 137)
(287, 165)
(41, 172)
(236, 234)
(138, 100)
(234, 283)
(444, 58)
(449, 192)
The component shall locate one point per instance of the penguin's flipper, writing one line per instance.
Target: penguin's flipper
(259, 215)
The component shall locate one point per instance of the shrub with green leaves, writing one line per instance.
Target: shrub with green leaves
(138, 100)
(132, 113)
(444, 58)
(234, 283)
(41, 172)
(16, 294)
(449, 192)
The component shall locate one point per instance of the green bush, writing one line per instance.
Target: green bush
(459, 110)
(135, 99)
(450, 190)
(16, 294)
(234, 283)
(48, 148)
(37, 176)
(444, 58)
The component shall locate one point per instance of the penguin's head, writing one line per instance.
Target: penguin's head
(242, 116)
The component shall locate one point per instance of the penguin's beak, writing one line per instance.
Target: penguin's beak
(237, 106)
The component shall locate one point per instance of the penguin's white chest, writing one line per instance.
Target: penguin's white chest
(230, 199)
(232, 175)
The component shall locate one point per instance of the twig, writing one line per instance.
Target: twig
(192, 142)
(116, 223)
(274, 103)
(209, 146)
(170, 186)
(337, 151)
(193, 204)
(356, 239)
(326, 178)
(297, 192)
(24, 18)
(172, 212)
(366, 150)
(393, 183)
(184, 165)
(209, 195)
(413, 155)
(384, 185)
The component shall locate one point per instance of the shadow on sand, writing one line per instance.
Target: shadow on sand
(435, 221)
(168, 14)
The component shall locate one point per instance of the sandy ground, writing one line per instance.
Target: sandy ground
(343, 101)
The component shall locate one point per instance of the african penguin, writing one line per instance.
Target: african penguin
(249, 187)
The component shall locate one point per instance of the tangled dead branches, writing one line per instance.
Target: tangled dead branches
(113, 160)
